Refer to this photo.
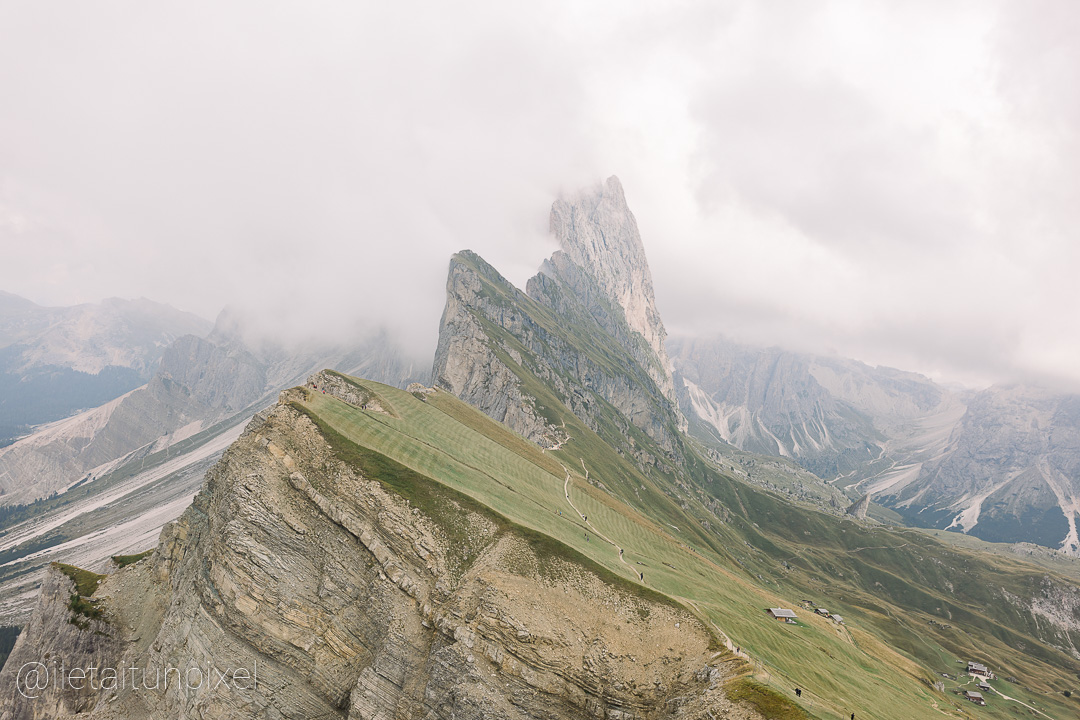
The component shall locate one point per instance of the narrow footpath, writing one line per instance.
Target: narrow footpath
(584, 518)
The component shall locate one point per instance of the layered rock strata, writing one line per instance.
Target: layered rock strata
(350, 603)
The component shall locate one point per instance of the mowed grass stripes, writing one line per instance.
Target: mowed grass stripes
(843, 670)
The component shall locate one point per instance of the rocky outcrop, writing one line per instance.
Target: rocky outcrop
(348, 602)
(350, 393)
(471, 364)
(36, 680)
(859, 508)
(600, 241)
(587, 328)
(493, 338)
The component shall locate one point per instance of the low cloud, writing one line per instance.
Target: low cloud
(895, 183)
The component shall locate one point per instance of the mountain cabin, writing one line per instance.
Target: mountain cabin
(784, 614)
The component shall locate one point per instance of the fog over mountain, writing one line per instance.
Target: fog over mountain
(892, 182)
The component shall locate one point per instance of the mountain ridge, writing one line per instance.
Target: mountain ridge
(1002, 463)
(383, 551)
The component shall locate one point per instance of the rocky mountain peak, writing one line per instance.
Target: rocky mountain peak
(860, 507)
(598, 233)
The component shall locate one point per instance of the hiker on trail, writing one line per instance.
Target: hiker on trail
(642, 576)
(620, 552)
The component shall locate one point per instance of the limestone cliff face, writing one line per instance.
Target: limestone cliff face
(860, 507)
(350, 603)
(493, 336)
(587, 327)
(216, 376)
(55, 638)
(600, 240)
(469, 362)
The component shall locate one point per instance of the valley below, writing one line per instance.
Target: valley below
(569, 516)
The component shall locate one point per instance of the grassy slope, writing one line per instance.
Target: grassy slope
(904, 588)
(843, 670)
(86, 582)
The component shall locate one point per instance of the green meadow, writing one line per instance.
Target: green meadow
(724, 550)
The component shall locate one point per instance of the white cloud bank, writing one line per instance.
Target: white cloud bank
(893, 181)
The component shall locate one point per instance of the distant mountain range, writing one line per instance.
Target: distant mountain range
(382, 552)
(56, 360)
(105, 480)
(1002, 464)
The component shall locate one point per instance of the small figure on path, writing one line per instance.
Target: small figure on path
(798, 692)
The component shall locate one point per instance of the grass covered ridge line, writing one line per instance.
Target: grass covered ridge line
(125, 560)
(432, 497)
(751, 551)
(769, 703)
(86, 582)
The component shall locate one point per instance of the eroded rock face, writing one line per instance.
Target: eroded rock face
(56, 638)
(467, 361)
(860, 507)
(587, 326)
(598, 233)
(347, 602)
(492, 336)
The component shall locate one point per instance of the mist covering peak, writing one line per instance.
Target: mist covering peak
(598, 233)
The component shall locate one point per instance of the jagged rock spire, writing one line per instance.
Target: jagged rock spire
(598, 233)
(859, 507)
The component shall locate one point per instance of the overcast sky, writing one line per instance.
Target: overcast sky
(896, 182)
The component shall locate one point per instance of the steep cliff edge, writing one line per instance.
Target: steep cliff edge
(66, 631)
(470, 365)
(500, 350)
(600, 241)
(349, 600)
(586, 327)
